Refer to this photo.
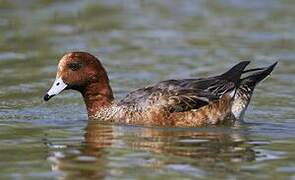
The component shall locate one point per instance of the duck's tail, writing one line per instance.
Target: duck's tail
(246, 89)
(234, 74)
(258, 75)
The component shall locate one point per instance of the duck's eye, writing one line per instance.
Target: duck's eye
(75, 66)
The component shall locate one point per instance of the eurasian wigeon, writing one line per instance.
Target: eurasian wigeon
(199, 102)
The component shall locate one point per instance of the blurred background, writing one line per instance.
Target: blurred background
(142, 42)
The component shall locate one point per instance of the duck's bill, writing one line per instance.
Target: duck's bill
(57, 87)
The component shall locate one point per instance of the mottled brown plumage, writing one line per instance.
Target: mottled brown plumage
(182, 103)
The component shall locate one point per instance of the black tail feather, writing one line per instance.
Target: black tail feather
(256, 77)
(234, 74)
(246, 89)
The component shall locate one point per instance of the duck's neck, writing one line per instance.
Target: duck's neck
(97, 96)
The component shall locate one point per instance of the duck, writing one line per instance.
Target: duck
(193, 102)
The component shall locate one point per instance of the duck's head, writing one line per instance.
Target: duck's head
(78, 71)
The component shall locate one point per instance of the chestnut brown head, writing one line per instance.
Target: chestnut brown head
(77, 70)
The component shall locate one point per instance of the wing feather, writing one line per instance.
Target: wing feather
(174, 100)
(185, 94)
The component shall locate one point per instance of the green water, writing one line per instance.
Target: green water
(142, 42)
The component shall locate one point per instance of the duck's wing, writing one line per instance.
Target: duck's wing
(217, 85)
(172, 100)
(214, 85)
(179, 95)
(186, 94)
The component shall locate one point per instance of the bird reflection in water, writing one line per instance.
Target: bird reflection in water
(109, 149)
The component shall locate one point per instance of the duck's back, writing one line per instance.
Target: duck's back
(179, 95)
(185, 94)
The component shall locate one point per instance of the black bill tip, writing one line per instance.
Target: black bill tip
(47, 97)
